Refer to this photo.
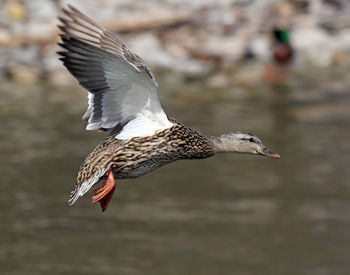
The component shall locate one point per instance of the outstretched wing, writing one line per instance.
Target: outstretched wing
(123, 94)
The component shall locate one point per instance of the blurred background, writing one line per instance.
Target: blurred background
(278, 69)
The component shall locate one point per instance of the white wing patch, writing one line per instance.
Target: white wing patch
(146, 123)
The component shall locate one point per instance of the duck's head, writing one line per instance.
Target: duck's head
(282, 50)
(242, 142)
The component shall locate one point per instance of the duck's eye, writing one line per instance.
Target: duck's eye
(251, 140)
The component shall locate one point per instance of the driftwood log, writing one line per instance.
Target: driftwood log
(127, 25)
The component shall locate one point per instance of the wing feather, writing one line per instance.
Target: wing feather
(121, 87)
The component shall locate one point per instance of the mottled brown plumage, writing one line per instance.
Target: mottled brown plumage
(141, 155)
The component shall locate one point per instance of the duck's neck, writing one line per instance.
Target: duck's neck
(225, 143)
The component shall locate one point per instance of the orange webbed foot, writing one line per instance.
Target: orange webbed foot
(104, 194)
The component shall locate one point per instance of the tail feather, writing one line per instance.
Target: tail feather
(74, 195)
(81, 189)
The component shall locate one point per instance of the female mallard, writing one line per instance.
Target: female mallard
(123, 100)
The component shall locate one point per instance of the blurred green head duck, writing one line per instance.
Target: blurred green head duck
(282, 50)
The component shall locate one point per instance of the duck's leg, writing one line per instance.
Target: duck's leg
(104, 194)
(270, 74)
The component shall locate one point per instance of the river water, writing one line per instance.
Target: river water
(230, 214)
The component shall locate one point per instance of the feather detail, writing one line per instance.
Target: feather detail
(121, 87)
(81, 189)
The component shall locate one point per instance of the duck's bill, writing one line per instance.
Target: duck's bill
(264, 151)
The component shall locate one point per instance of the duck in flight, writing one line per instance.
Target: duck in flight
(123, 100)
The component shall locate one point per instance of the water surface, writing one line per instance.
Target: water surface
(230, 214)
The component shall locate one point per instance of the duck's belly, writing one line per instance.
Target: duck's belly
(138, 169)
